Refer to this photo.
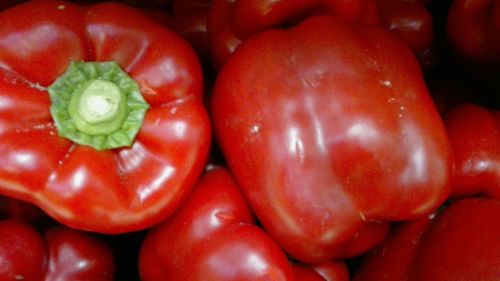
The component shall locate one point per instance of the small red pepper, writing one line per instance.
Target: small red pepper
(213, 236)
(409, 21)
(55, 253)
(460, 242)
(474, 133)
(473, 28)
(190, 21)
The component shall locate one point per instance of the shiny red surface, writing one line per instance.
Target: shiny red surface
(56, 253)
(232, 22)
(212, 237)
(459, 244)
(110, 191)
(329, 129)
(474, 134)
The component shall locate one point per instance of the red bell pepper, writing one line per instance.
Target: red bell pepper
(231, 22)
(304, 273)
(329, 271)
(13, 208)
(102, 119)
(331, 133)
(458, 243)
(150, 3)
(409, 21)
(190, 21)
(214, 237)
(8, 3)
(55, 253)
(473, 28)
(474, 133)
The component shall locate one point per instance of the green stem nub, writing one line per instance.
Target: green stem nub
(97, 104)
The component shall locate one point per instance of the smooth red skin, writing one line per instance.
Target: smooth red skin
(328, 271)
(59, 253)
(23, 253)
(74, 255)
(140, 3)
(8, 3)
(460, 244)
(190, 6)
(212, 237)
(190, 21)
(333, 270)
(162, 16)
(110, 191)
(411, 22)
(473, 29)
(231, 22)
(304, 273)
(474, 133)
(366, 237)
(317, 155)
(13, 208)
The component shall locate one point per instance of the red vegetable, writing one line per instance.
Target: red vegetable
(190, 21)
(473, 29)
(57, 253)
(459, 243)
(13, 208)
(331, 133)
(303, 273)
(332, 270)
(231, 22)
(212, 237)
(123, 135)
(474, 134)
(409, 21)
(8, 3)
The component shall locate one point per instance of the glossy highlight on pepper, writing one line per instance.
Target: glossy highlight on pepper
(112, 187)
(331, 134)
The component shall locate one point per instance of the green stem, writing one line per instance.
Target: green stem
(97, 104)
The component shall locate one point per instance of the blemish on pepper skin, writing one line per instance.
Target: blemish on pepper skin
(61, 7)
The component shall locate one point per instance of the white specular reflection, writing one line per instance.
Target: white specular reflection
(179, 128)
(145, 191)
(363, 131)
(23, 159)
(32, 40)
(224, 262)
(132, 159)
(5, 103)
(312, 112)
(78, 179)
(294, 143)
(416, 169)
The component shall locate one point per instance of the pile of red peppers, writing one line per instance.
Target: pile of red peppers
(234, 140)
